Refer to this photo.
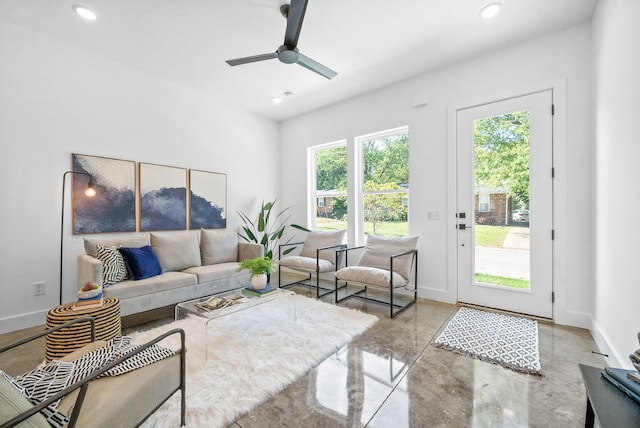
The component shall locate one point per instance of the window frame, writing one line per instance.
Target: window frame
(313, 194)
(360, 237)
(354, 193)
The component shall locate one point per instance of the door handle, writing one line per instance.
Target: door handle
(462, 226)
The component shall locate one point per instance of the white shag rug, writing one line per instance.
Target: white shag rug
(252, 355)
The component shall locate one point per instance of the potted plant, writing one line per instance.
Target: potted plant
(259, 267)
(268, 228)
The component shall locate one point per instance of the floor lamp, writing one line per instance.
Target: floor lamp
(91, 192)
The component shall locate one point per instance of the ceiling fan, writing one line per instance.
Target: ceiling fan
(288, 53)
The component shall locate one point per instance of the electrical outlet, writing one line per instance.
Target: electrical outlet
(38, 288)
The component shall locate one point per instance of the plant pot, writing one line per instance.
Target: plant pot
(259, 281)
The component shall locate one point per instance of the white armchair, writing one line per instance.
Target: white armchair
(386, 264)
(318, 255)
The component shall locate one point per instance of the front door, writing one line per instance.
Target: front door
(504, 204)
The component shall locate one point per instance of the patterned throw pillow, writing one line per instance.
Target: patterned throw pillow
(113, 268)
(11, 407)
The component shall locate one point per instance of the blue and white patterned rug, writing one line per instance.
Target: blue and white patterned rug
(509, 341)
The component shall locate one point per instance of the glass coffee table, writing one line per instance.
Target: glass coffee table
(238, 302)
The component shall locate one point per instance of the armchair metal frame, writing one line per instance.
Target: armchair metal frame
(83, 384)
(307, 281)
(392, 305)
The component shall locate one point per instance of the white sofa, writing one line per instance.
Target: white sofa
(195, 263)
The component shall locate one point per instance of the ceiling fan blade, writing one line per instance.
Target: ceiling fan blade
(255, 58)
(312, 65)
(297, 9)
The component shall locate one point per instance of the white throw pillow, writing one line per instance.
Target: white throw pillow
(379, 250)
(319, 239)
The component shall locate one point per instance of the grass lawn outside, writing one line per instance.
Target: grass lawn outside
(490, 236)
(501, 280)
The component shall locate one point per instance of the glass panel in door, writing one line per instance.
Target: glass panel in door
(501, 165)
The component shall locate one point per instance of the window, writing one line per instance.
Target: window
(484, 203)
(385, 182)
(362, 187)
(328, 167)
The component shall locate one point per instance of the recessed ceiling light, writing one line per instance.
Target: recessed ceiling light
(276, 100)
(87, 14)
(490, 10)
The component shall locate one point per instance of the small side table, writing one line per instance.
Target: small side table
(67, 340)
(606, 403)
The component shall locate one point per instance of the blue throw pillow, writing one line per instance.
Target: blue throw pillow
(141, 262)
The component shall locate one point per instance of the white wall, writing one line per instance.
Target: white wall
(617, 155)
(562, 59)
(56, 100)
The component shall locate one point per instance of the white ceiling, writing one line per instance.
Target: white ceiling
(370, 43)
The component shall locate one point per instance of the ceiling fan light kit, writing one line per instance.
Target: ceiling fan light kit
(490, 10)
(84, 12)
(288, 52)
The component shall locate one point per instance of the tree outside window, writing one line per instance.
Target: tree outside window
(330, 186)
(386, 182)
(382, 203)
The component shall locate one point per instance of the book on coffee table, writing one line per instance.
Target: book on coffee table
(88, 303)
(267, 290)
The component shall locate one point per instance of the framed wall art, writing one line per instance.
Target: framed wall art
(208, 200)
(113, 209)
(163, 197)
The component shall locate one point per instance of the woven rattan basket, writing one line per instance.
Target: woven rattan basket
(62, 342)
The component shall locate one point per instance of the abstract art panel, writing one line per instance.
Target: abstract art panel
(113, 209)
(163, 197)
(208, 193)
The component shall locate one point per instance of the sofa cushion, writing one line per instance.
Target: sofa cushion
(370, 276)
(206, 273)
(13, 403)
(166, 281)
(218, 246)
(319, 239)
(176, 250)
(379, 249)
(114, 268)
(306, 264)
(141, 262)
(140, 240)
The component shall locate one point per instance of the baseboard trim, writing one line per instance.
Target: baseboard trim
(613, 360)
(22, 321)
(436, 294)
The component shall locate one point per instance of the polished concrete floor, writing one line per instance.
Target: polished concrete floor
(392, 376)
